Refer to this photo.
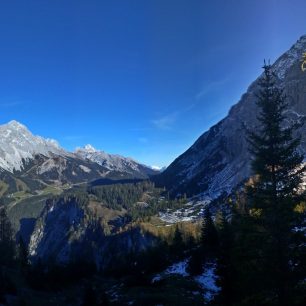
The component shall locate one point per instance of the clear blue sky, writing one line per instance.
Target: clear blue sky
(138, 78)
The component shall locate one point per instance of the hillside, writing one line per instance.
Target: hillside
(219, 160)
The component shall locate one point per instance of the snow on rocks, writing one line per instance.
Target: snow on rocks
(207, 281)
(288, 59)
(18, 145)
(110, 161)
(179, 268)
(189, 212)
(85, 169)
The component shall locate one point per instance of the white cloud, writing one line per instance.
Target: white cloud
(11, 103)
(166, 122)
(212, 86)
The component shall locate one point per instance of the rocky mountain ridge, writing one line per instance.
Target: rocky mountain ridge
(18, 145)
(113, 162)
(29, 162)
(67, 230)
(219, 160)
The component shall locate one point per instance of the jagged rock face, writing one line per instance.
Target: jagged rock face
(114, 162)
(66, 232)
(219, 160)
(55, 230)
(59, 169)
(18, 145)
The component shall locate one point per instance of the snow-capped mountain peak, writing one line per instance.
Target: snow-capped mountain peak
(89, 148)
(159, 168)
(18, 145)
(110, 161)
(113, 162)
(16, 125)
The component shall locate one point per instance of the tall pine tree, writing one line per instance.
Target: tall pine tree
(224, 268)
(7, 246)
(209, 234)
(275, 191)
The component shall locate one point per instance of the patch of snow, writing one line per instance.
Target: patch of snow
(85, 169)
(89, 148)
(156, 278)
(208, 281)
(156, 167)
(300, 229)
(191, 211)
(178, 268)
(292, 56)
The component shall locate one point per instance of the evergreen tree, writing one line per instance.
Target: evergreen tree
(89, 297)
(209, 234)
(195, 264)
(178, 244)
(274, 192)
(6, 254)
(23, 254)
(177, 239)
(7, 250)
(224, 268)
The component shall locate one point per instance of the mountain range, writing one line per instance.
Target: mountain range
(29, 162)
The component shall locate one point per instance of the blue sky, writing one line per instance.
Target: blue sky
(138, 78)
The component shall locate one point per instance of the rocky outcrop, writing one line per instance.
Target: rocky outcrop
(68, 232)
